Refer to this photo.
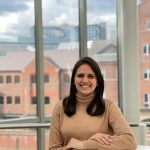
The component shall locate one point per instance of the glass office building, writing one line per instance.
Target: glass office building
(40, 41)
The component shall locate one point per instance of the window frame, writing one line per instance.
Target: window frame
(1, 79)
(8, 79)
(146, 49)
(40, 121)
(148, 25)
(147, 100)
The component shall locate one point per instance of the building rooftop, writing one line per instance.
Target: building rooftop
(17, 61)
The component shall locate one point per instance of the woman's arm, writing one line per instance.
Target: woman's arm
(55, 137)
(123, 137)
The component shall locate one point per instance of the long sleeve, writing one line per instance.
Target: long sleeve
(123, 138)
(55, 137)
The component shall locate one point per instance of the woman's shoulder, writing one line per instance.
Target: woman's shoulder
(110, 103)
(112, 107)
(58, 106)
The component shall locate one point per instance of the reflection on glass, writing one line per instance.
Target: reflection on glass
(101, 31)
(144, 60)
(17, 60)
(61, 48)
(23, 139)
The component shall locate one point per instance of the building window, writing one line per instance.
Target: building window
(148, 25)
(33, 79)
(66, 78)
(147, 49)
(17, 79)
(147, 74)
(17, 100)
(1, 100)
(1, 79)
(9, 100)
(46, 78)
(103, 74)
(147, 100)
(8, 79)
(47, 100)
(34, 100)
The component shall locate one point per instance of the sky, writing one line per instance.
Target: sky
(17, 16)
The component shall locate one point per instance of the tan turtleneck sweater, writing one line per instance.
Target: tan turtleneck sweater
(82, 126)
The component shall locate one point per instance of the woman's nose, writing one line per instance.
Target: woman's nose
(85, 78)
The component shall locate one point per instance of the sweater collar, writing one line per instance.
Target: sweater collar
(85, 99)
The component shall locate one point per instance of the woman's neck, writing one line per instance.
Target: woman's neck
(86, 99)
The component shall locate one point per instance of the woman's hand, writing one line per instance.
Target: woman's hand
(102, 138)
(75, 144)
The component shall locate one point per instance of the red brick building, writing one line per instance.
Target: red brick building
(144, 54)
(18, 79)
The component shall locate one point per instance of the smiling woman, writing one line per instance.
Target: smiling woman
(84, 119)
(40, 41)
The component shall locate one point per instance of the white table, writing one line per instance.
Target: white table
(141, 147)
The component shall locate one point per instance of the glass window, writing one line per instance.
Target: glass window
(1, 79)
(8, 79)
(47, 100)
(34, 100)
(17, 100)
(18, 139)
(46, 78)
(147, 49)
(144, 60)
(147, 74)
(1, 100)
(147, 100)
(17, 79)
(33, 79)
(17, 56)
(9, 100)
(61, 51)
(148, 25)
(102, 39)
(61, 47)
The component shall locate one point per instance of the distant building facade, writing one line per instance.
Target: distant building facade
(18, 81)
(144, 53)
(55, 35)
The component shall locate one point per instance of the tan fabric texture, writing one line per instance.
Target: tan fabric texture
(82, 126)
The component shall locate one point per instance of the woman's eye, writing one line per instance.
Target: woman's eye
(90, 76)
(80, 75)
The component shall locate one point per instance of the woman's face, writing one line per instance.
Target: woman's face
(85, 80)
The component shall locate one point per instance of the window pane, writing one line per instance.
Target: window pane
(144, 60)
(34, 100)
(148, 25)
(17, 100)
(17, 58)
(101, 18)
(8, 79)
(17, 79)
(1, 100)
(61, 48)
(47, 100)
(1, 79)
(18, 139)
(46, 78)
(9, 100)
